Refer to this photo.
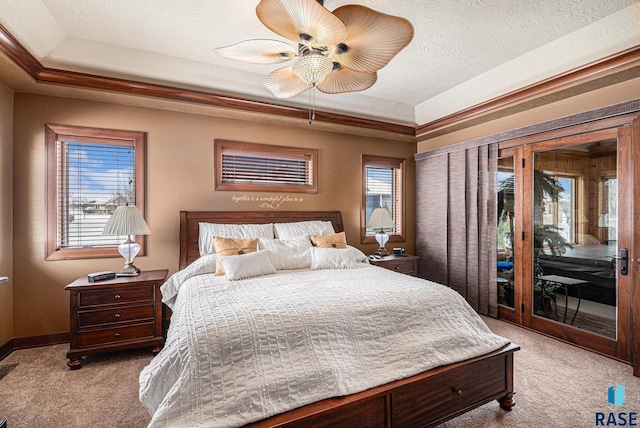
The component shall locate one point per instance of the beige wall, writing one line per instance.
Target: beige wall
(6, 213)
(179, 177)
(609, 95)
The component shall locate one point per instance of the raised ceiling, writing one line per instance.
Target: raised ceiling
(463, 53)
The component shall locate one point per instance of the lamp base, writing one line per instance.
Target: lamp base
(129, 269)
(382, 252)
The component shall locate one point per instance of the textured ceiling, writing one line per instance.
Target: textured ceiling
(464, 51)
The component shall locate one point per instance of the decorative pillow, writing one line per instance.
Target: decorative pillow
(358, 255)
(208, 231)
(233, 247)
(337, 240)
(247, 265)
(299, 228)
(294, 253)
(332, 258)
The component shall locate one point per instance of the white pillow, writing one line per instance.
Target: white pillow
(358, 255)
(294, 253)
(333, 258)
(299, 228)
(208, 231)
(246, 265)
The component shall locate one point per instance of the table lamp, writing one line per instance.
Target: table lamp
(381, 219)
(127, 220)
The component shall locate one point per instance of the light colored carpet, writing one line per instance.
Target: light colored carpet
(557, 385)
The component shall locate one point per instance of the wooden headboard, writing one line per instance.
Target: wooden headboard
(190, 224)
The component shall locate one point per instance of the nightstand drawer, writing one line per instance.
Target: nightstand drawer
(406, 264)
(120, 295)
(400, 266)
(108, 316)
(116, 334)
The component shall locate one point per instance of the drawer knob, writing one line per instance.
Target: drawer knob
(117, 335)
(117, 315)
(117, 296)
(459, 392)
(397, 267)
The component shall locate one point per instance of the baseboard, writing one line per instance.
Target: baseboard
(32, 342)
(5, 350)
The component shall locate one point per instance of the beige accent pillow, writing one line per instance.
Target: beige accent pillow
(233, 247)
(337, 240)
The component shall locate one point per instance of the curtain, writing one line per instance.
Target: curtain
(456, 220)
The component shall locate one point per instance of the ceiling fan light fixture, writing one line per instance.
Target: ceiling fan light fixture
(312, 68)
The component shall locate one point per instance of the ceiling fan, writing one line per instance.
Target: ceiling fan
(339, 51)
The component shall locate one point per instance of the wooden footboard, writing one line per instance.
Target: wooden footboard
(424, 400)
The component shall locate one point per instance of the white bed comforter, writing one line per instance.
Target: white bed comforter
(242, 351)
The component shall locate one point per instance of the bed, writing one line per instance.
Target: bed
(380, 375)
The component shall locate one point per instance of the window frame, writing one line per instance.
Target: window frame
(383, 162)
(70, 133)
(256, 149)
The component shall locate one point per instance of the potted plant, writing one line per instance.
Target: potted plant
(545, 236)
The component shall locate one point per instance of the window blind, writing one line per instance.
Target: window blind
(267, 170)
(92, 180)
(252, 167)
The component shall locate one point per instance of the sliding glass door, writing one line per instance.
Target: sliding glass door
(564, 222)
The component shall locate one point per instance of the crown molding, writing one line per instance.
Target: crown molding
(41, 74)
(17, 53)
(593, 70)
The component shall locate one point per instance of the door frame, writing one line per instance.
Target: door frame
(627, 131)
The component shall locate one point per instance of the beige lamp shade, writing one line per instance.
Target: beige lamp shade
(127, 220)
(381, 219)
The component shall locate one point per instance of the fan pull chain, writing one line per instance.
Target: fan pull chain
(312, 107)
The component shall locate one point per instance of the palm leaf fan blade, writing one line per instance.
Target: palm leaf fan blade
(373, 39)
(293, 18)
(346, 80)
(283, 83)
(258, 51)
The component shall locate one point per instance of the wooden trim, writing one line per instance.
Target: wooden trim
(40, 74)
(634, 257)
(386, 162)
(55, 132)
(6, 349)
(44, 340)
(32, 342)
(605, 117)
(589, 71)
(19, 54)
(625, 240)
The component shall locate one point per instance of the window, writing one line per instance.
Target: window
(265, 168)
(561, 212)
(90, 171)
(382, 187)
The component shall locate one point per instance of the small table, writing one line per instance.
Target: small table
(565, 282)
(114, 315)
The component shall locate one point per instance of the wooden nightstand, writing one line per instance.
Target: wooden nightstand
(114, 315)
(404, 264)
